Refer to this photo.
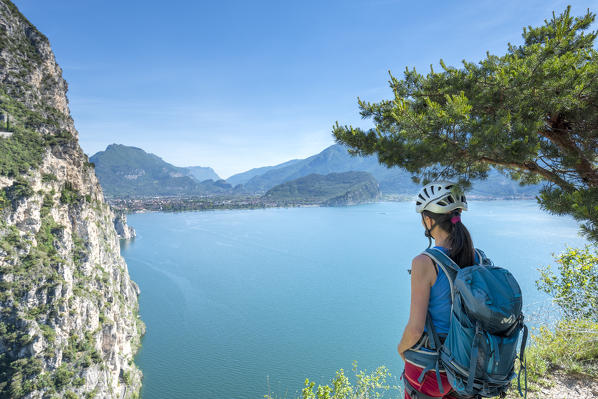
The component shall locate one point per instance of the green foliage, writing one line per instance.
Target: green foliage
(575, 287)
(70, 395)
(573, 343)
(18, 376)
(572, 347)
(48, 332)
(69, 195)
(315, 188)
(79, 250)
(4, 201)
(25, 148)
(126, 377)
(530, 112)
(46, 235)
(367, 386)
(19, 190)
(581, 204)
(62, 376)
(49, 177)
(47, 205)
(61, 138)
(130, 171)
(20, 152)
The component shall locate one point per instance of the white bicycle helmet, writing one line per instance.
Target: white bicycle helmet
(440, 197)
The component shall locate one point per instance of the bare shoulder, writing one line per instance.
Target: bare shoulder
(422, 261)
(422, 265)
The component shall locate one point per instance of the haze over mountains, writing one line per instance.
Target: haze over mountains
(202, 173)
(130, 171)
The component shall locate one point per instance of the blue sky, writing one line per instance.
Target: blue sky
(241, 84)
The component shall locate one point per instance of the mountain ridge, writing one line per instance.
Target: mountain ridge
(336, 159)
(130, 171)
(333, 189)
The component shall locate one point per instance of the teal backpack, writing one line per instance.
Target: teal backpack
(479, 352)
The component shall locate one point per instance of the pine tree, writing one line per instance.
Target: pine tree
(531, 113)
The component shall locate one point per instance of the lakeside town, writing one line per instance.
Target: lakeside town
(201, 203)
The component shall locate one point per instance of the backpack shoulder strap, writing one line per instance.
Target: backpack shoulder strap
(449, 267)
(482, 258)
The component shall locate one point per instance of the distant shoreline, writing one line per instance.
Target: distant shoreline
(207, 203)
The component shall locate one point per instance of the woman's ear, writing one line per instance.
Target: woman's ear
(426, 221)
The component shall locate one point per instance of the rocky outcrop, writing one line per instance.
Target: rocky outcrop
(558, 385)
(69, 324)
(123, 230)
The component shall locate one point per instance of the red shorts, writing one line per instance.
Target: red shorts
(428, 386)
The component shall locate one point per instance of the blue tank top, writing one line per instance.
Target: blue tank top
(439, 305)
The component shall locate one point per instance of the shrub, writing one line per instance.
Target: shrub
(48, 332)
(367, 386)
(18, 190)
(79, 251)
(572, 346)
(70, 395)
(47, 205)
(20, 152)
(69, 195)
(575, 288)
(62, 376)
(49, 177)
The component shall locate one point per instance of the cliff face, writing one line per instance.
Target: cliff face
(123, 230)
(68, 309)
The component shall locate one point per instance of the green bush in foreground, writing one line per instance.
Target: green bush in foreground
(572, 347)
(367, 386)
(575, 288)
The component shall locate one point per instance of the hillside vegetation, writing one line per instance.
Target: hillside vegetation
(69, 325)
(126, 171)
(331, 189)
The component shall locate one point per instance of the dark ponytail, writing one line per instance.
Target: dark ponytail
(462, 250)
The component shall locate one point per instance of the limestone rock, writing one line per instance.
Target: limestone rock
(69, 320)
(123, 230)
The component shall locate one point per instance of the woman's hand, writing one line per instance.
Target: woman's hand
(423, 277)
(402, 354)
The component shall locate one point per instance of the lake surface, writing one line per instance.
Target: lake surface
(238, 303)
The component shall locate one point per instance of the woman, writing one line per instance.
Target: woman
(440, 205)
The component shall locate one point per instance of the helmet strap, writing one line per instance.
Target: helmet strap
(428, 232)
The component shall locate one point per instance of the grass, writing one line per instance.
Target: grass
(572, 347)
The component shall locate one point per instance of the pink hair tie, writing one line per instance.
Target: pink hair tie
(455, 219)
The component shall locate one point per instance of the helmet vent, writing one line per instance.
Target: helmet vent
(432, 188)
(450, 199)
(426, 192)
(441, 203)
(422, 198)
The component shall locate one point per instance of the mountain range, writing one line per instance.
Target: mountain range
(202, 173)
(130, 171)
(126, 171)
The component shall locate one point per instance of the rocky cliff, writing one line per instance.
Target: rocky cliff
(123, 230)
(68, 310)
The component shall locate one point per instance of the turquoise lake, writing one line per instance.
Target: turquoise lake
(239, 303)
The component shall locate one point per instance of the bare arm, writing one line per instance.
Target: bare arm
(423, 276)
